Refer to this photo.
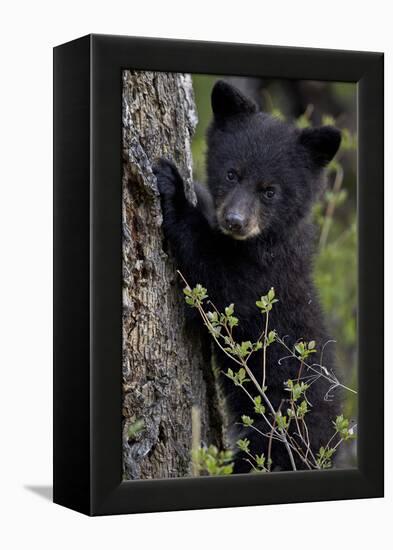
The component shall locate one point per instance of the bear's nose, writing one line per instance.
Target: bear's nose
(234, 221)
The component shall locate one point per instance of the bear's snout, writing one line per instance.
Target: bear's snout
(235, 221)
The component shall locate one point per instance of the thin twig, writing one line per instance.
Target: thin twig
(327, 223)
(322, 373)
(264, 351)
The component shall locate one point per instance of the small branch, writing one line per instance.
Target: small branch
(321, 373)
(331, 206)
(264, 351)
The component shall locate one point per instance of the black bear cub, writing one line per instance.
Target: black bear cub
(251, 231)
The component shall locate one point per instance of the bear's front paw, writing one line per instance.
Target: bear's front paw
(169, 181)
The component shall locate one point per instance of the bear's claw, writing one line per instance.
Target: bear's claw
(169, 181)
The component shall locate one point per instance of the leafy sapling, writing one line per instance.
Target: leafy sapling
(289, 427)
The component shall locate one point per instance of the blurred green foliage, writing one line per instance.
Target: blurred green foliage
(210, 461)
(335, 214)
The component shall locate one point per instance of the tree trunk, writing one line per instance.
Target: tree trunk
(166, 374)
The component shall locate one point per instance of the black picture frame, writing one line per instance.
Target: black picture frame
(88, 275)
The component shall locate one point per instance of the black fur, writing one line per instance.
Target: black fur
(251, 231)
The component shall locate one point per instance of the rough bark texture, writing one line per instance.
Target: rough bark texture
(165, 372)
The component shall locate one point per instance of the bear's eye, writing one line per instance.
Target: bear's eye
(231, 175)
(269, 192)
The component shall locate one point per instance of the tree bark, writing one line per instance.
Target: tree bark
(165, 370)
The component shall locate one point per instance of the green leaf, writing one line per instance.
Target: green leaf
(302, 409)
(276, 113)
(241, 374)
(244, 445)
(247, 421)
(213, 317)
(296, 389)
(233, 321)
(212, 461)
(260, 460)
(135, 428)
(303, 122)
(243, 349)
(281, 421)
(190, 301)
(341, 425)
(258, 407)
(299, 348)
(215, 331)
(328, 120)
(271, 337)
(324, 456)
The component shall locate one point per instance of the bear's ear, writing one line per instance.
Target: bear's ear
(322, 143)
(227, 101)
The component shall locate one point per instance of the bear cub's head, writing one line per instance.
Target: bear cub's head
(263, 174)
